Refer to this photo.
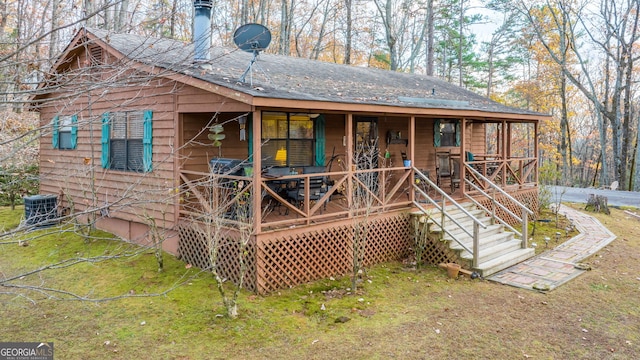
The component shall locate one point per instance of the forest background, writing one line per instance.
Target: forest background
(573, 59)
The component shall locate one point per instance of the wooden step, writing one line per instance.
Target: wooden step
(498, 248)
(488, 237)
(507, 260)
(494, 251)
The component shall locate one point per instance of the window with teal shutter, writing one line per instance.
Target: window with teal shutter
(147, 141)
(446, 133)
(64, 134)
(127, 140)
(55, 138)
(320, 140)
(105, 140)
(74, 131)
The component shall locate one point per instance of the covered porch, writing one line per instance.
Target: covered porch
(310, 164)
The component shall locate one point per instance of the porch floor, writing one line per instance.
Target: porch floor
(555, 267)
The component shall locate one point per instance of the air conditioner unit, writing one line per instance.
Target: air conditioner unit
(41, 210)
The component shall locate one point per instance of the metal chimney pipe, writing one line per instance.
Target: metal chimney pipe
(202, 29)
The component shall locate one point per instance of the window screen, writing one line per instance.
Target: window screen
(289, 139)
(126, 141)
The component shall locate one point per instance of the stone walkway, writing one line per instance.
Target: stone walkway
(555, 267)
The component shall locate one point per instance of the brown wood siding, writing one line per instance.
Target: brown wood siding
(393, 124)
(424, 157)
(70, 171)
(477, 143)
(190, 99)
(334, 141)
(198, 149)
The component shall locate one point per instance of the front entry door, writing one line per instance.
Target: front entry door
(366, 142)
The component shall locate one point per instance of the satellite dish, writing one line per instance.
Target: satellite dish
(252, 37)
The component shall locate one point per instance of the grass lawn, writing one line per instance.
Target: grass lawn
(399, 312)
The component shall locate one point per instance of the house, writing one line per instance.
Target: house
(131, 123)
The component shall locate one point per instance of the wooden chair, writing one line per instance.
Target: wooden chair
(454, 165)
(443, 166)
(317, 186)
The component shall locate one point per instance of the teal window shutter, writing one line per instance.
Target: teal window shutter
(105, 141)
(458, 133)
(147, 141)
(74, 131)
(55, 133)
(436, 133)
(320, 124)
(250, 136)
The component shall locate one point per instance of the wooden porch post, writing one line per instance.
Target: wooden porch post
(412, 152)
(535, 146)
(463, 154)
(506, 148)
(349, 155)
(257, 170)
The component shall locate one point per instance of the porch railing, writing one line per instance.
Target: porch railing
(442, 210)
(388, 190)
(513, 171)
(498, 207)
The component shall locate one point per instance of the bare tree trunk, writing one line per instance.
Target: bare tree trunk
(418, 45)
(431, 28)
(244, 12)
(349, 32)
(173, 19)
(564, 129)
(460, 45)
(317, 47)
(386, 15)
(629, 57)
(284, 47)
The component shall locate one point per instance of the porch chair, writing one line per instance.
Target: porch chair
(279, 186)
(471, 160)
(443, 166)
(317, 186)
(455, 173)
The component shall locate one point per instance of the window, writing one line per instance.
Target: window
(446, 133)
(65, 132)
(290, 139)
(126, 141)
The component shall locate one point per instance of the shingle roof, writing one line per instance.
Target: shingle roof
(285, 77)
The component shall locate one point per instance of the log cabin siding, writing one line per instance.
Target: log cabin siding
(335, 142)
(198, 149)
(69, 172)
(191, 100)
(478, 141)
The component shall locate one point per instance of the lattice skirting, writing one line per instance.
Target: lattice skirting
(286, 258)
(194, 246)
(528, 197)
(290, 259)
(429, 247)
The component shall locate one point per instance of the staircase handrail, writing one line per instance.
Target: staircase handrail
(499, 219)
(525, 210)
(441, 208)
